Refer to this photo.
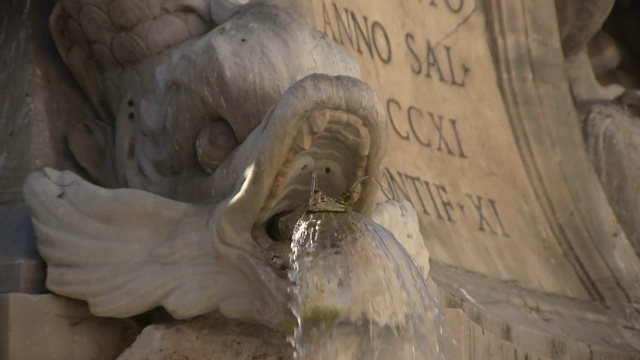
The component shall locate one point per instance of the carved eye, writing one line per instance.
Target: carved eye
(215, 142)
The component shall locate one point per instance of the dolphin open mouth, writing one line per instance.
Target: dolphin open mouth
(330, 152)
(333, 127)
(336, 135)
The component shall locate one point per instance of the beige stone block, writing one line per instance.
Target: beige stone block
(207, 338)
(454, 333)
(49, 327)
(464, 339)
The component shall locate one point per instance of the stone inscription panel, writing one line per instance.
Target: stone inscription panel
(451, 152)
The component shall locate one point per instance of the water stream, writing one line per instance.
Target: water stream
(357, 294)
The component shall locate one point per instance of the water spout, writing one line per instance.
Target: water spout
(314, 181)
(357, 293)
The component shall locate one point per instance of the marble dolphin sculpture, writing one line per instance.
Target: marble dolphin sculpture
(169, 226)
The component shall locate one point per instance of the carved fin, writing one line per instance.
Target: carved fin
(126, 251)
(400, 218)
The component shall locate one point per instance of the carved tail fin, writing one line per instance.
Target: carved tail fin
(126, 251)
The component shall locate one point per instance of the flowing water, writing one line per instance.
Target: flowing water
(357, 294)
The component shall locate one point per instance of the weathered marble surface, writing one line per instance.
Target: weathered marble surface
(486, 143)
(608, 112)
(34, 120)
(613, 144)
(578, 22)
(39, 101)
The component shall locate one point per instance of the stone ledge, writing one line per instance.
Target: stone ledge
(553, 327)
(52, 327)
(466, 339)
(209, 337)
(47, 327)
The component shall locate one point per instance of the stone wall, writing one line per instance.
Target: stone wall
(529, 259)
